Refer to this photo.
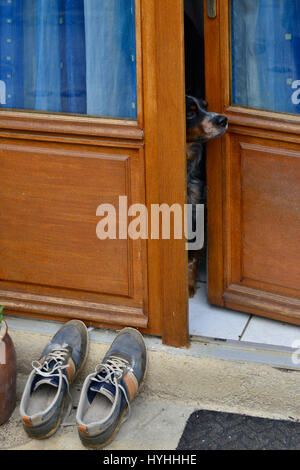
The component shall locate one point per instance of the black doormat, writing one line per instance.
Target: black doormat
(211, 430)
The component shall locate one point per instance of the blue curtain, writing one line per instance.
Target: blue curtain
(117, 35)
(71, 56)
(265, 53)
(12, 52)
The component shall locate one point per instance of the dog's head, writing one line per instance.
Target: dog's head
(203, 125)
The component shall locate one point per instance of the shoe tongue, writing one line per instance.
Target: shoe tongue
(49, 380)
(104, 389)
(54, 381)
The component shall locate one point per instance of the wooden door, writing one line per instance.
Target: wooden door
(254, 172)
(57, 168)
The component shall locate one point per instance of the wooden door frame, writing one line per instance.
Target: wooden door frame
(263, 124)
(164, 97)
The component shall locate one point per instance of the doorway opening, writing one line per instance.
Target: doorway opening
(205, 320)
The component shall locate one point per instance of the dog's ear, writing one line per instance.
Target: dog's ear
(189, 100)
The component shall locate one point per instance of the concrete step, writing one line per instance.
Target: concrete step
(178, 382)
(152, 425)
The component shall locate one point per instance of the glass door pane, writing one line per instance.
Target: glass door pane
(68, 56)
(266, 54)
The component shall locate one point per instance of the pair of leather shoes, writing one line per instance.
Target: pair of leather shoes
(106, 393)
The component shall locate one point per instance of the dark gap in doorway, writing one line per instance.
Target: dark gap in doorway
(195, 86)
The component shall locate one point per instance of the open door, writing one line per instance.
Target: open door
(91, 109)
(252, 75)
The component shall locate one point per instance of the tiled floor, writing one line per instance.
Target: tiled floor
(218, 323)
(213, 322)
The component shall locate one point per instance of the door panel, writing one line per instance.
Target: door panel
(257, 168)
(263, 201)
(270, 208)
(49, 196)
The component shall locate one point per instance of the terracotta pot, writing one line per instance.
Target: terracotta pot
(8, 373)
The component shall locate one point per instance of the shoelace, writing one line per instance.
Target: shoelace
(58, 356)
(114, 368)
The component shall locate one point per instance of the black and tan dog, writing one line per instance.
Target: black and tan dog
(201, 126)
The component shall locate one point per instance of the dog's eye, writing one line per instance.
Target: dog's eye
(191, 115)
(205, 104)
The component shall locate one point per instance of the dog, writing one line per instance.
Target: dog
(201, 126)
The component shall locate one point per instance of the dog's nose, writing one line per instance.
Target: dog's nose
(222, 121)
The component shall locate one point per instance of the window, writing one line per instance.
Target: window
(266, 54)
(69, 56)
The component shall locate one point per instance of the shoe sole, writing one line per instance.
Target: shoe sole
(31, 431)
(88, 442)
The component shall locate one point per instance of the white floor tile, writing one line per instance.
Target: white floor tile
(213, 322)
(265, 331)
